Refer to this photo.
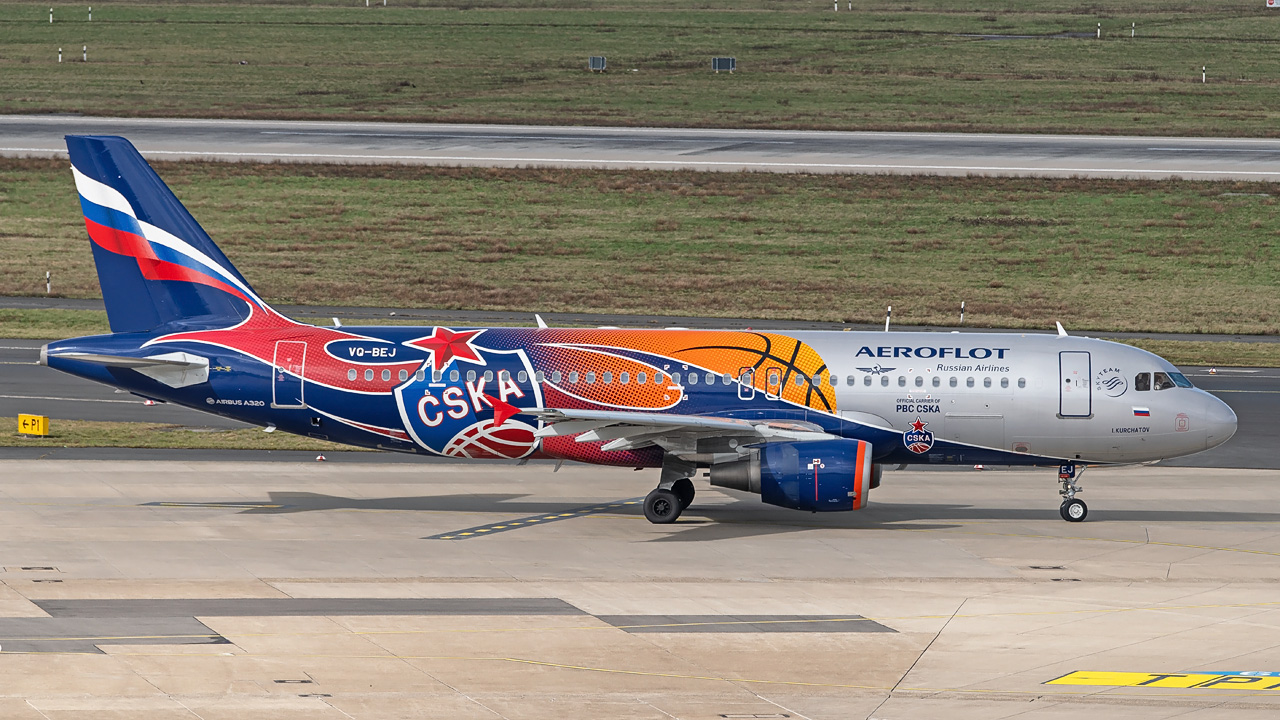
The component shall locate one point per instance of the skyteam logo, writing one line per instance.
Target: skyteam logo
(917, 439)
(1110, 382)
(471, 409)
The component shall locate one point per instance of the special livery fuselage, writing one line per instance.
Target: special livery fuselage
(969, 398)
(807, 420)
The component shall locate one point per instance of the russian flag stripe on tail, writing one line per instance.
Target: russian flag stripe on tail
(156, 265)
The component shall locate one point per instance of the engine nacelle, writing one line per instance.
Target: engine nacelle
(816, 475)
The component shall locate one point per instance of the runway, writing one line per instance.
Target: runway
(230, 589)
(661, 148)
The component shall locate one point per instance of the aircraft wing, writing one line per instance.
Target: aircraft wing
(624, 430)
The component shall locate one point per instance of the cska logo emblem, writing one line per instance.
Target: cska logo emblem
(918, 440)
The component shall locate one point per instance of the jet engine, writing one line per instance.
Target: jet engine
(815, 475)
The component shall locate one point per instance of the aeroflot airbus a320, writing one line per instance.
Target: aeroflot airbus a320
(805, 419)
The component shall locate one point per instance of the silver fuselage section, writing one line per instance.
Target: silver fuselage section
(1069, 397)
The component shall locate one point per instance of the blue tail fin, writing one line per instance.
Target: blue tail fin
(156, 265)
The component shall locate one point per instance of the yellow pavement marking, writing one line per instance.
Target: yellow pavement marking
(1181, 681)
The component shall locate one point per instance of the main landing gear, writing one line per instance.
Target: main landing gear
(673, 494)
(1072, 509)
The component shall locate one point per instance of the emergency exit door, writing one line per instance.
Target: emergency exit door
(1075, 392)
(286, 374)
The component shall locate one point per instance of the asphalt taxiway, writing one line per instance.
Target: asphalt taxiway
(662, 148)
(305, 590)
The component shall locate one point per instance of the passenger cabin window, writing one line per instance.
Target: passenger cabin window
(420, 376)
(351, 374)
(919, 381)
(1022, 382)
(849, 380)
(902, 381)
(884, 381)
(471, 376)
(386, 375)
(642, 378)
(573, 377)
(453, 376)
(693, 378)
(726, 379)
(539, 377)
(953, 382)
(368, 375)
(866, 380)
(986, 382)
(937, 381)
(675, 378)
(607, 377)
(1004, 382)
(624, 378)
(556, 376)
(968, 382)
(1163, 381)
(404, 375)
(711, 378)
(522, 376)
(488, 376)
(437, 375)
(505, 376)
(591, 378)
(799, 380)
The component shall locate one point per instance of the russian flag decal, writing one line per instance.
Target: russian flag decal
(1141, 412)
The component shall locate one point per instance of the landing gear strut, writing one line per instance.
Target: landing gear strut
(674, 492)
(1072, 509)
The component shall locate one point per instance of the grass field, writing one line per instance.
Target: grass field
(85, 433)
(1096, 254)
(884, 65)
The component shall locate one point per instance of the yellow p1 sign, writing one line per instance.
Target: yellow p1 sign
(33, 425)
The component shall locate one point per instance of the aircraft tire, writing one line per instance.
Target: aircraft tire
(1074, 510)
(683, 488)
(662, 507)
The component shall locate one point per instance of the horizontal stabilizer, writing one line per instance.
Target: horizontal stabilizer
(177, 369)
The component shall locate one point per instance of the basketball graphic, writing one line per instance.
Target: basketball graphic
(512, 440)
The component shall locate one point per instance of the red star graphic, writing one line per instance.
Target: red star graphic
(502, 412)
(445, 345)
(919, 426)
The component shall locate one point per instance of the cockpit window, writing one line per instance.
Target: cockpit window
(1163, 382)
(1142, 382)
(1181, 380)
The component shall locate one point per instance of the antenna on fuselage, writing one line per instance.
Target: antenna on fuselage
(1061, 331)
(542, 324)
(337, 323)
(887, 312)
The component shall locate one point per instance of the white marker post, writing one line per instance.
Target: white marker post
(1099, 31)
(1133, 30)
(86, 54)
(887, 312)
(1204, 73)
(50, 16)
(59, 54)
(90, 13)
(837, 6)
(48, 283)
(961, 312)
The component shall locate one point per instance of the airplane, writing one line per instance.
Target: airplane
(806, 420)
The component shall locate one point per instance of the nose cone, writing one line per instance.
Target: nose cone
(1221, 421)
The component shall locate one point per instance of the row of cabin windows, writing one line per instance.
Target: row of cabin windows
(1141, 382)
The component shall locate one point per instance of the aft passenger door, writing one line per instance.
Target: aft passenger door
(1075, 392)
(286, 374)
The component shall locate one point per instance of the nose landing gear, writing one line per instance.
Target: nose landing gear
(1072, 509)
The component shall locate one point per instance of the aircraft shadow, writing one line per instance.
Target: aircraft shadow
(742, 518)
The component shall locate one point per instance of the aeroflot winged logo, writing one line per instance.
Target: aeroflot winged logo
(876, 369)
(917, 439)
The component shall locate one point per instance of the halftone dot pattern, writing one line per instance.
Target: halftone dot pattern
(720, 351)
(633, 395)
(257, 338)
